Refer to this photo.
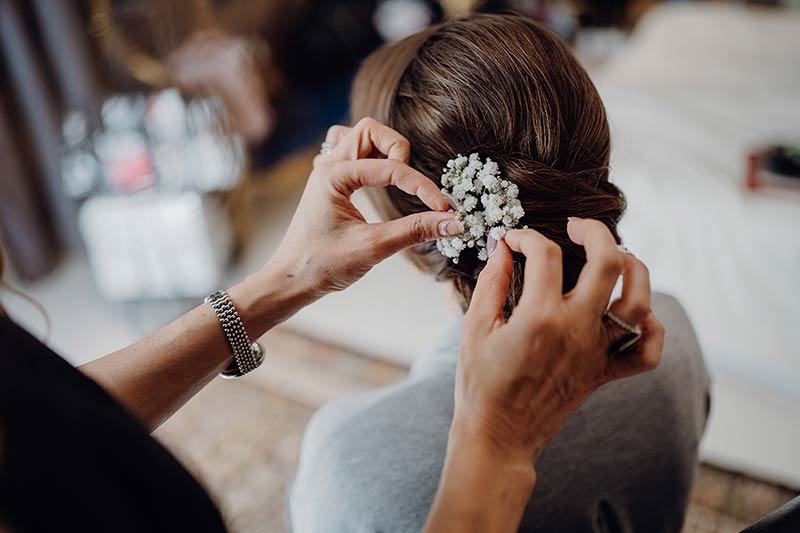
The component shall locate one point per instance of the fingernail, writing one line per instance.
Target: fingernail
(450, 201)
(449, 228)
(574, 219)
(491, 245)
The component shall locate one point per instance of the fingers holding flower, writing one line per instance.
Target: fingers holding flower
(329, 245)
(529, 373)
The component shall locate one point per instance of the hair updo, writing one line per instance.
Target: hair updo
(508, 88)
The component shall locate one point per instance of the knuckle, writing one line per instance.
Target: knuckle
(403, 144)
(643, 267)
(596, 225)
(416, 229)
(394, 165)
(651, 360)
(533, 243)
(489, 276)
(639, 311)
(334, 131)
(658, 328)
(396, 171)
(545, 322)
(633, 310)
(549, 249)
(366, 123)
(610, 262)
(526, 241)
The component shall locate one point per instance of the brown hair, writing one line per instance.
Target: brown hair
(509, 89)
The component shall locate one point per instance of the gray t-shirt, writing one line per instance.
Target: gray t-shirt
(625, 461)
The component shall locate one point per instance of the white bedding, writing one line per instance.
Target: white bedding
(692, 93)
(695, 90)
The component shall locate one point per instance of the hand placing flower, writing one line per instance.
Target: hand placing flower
(541, 364)
(329, 245)
(519, 380)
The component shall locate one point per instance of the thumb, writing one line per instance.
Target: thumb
(489, 296)
(396, 235)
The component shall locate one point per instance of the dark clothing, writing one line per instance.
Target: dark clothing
(72, 459)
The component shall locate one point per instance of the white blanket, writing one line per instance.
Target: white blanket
(693, 92)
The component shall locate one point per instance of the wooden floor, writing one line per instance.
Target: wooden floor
(242, 438)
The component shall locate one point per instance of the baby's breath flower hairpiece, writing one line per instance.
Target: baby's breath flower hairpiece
(487, 204)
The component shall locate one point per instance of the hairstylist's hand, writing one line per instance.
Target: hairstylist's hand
(329, 245)
(518, 381)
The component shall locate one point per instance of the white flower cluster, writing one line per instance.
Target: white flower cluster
(487, 204)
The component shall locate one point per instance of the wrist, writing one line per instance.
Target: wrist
(468, 438)
(498, 438)
(268, 297)
(480, 489)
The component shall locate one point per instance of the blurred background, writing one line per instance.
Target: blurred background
(153, 151)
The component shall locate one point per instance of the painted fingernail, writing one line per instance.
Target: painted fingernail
(449, 228)
(491, 245)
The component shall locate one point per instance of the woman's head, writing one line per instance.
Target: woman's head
(509, 89)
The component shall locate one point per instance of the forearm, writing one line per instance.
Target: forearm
(480, 490)
(154, 377)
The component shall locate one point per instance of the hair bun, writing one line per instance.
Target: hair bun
(509, 88)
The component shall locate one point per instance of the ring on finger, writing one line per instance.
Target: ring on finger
(629, 341)
(326, 148)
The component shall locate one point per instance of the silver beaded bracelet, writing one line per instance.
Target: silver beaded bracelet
(247, 356)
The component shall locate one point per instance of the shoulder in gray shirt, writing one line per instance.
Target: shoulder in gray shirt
(624, 462)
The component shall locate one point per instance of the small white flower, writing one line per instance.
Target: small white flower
(474, 219)
(497, 232)
(483, 199)
(470, 202)
(489, 181)
(493, 214)
(477, 231)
